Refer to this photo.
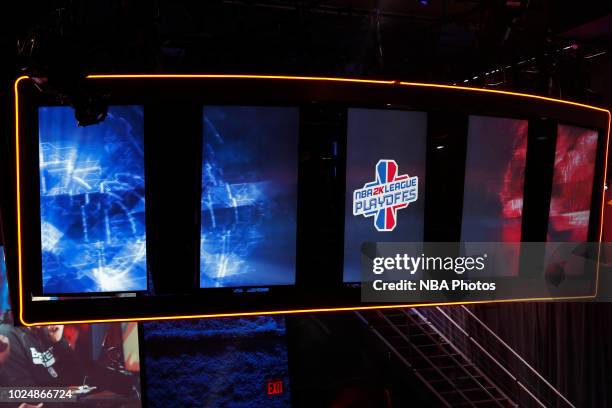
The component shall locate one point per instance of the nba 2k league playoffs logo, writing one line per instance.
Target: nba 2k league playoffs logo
(382, 198)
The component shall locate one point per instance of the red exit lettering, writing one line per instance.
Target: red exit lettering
(275, 387)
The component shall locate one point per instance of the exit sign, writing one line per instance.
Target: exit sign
(274, 387)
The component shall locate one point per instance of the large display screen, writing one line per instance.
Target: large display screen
(494, 179)
(89, 359)
(4, 289)
(4, 295)
(493, 190)
(230, 362)
(385, 181)
(92, 202)
(572, 190)
(249, 196)
(100, 363)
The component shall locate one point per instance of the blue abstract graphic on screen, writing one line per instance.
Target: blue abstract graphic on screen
(92, 201)
(249, 196)
(4, 296)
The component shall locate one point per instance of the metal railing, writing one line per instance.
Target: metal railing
(508, 369)
(455, 363)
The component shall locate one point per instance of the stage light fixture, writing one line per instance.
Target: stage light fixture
(89, 110)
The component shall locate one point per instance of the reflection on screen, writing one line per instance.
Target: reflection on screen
(228, 361)
(375, 135)
(92, 201)
(494, 180)
(572, 189)
(249, 196)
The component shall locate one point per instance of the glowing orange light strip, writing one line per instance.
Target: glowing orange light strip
(500, 92)
(18, 186)
(295, 311)
(334, 79)
(603, 202)
(237, 76)
(298, 311)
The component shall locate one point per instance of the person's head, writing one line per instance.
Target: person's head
(51, 333)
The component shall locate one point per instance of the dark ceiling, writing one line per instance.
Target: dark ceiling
(521, 44)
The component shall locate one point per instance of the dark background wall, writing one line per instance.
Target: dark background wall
(568, 343)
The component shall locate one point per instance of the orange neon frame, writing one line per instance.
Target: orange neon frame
(292, 78)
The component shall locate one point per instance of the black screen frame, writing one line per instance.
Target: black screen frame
(305, 296)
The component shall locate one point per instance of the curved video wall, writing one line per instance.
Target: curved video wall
(232, 195)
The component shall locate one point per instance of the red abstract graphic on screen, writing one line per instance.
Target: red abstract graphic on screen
(572, 184)
(511, 194)
(494, 179)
